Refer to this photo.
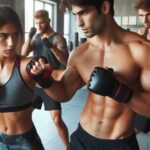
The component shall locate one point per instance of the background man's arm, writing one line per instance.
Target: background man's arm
(27, 47)
(59, 49)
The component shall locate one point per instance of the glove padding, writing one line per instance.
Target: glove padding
(32, 32)
(44, 79)
(46, 43)
(103, 82)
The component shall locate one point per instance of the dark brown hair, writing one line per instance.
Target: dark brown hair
(96, 3)
(8, 15)
(142, 4)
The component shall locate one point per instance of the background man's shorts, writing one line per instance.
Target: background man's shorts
(142, 123)
(42, 97)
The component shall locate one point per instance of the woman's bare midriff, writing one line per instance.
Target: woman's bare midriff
(105, 118)
(13, 123)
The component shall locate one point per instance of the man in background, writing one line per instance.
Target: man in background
(52, 45)
(143, 9)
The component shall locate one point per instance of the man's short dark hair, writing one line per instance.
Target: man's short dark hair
(8, 15)
(142, 4)
(96, 3)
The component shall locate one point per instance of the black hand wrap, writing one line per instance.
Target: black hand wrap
(46, 43)
(44, 79)
(32, 32)
(104, 82)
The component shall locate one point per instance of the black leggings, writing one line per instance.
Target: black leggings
(81, 140)
(26, 141)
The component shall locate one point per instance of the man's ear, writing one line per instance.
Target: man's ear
(105, 9)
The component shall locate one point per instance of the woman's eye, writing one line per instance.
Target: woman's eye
(3, 36)
(16, 34)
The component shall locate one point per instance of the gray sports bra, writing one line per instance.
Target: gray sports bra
(15, 95)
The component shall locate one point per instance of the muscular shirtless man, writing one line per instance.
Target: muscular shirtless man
(107, 120)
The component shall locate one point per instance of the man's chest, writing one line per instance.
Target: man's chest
(121, 61)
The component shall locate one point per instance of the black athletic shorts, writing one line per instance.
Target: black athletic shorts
(142, 123)
(81, 140)
(42, 97)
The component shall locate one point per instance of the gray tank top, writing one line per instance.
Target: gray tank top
(15, 95)
(41, 50)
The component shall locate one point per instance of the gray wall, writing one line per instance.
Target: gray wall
(7, 2)
(18, 5)
(60, 18)
(124, 7)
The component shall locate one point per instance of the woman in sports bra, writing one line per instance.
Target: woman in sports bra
(18, 77)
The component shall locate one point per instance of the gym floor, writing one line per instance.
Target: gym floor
(70, 113)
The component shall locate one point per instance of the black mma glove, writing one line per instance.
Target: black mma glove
(44, 79)
(104, 82)
(46, 43)
(32, 32)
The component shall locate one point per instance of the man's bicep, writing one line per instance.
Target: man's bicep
(140, 101)
(145, 72)
(60, 42)
(145, 79)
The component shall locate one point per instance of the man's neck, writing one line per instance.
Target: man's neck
(111, 34)
(49, 33)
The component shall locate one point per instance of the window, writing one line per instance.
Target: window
(67, 26)
(32, 5)
(128, 22)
